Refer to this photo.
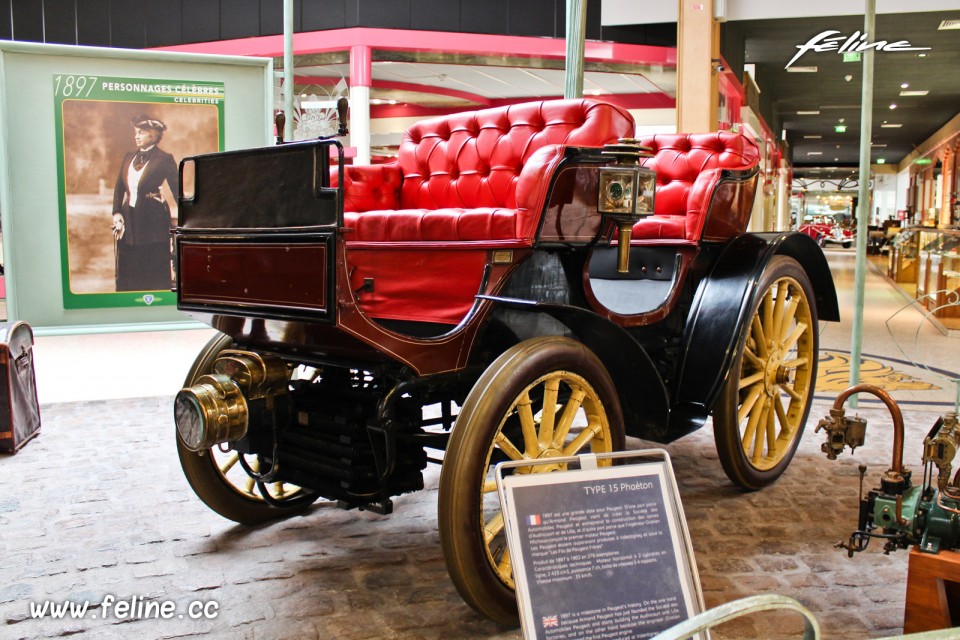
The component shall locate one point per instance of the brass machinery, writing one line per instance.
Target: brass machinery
(899, 512)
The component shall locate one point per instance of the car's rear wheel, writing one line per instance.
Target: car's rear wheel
(543, 398)
(765, 401)
(219, 476)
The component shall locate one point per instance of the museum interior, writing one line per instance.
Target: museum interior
(554, 319)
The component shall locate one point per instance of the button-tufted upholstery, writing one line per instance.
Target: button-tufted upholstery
(475, 175)
(688, 169)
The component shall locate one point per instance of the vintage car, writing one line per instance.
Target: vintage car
(825, 230)
(524, 282)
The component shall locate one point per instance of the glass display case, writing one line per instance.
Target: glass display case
(926, 263)
(942, 265)
(904, 249)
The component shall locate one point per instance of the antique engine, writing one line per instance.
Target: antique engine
(899, 512)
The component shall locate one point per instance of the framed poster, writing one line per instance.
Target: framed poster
(599, 552)
(119, 145)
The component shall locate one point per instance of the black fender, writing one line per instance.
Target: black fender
(643, 395)
(718, 316)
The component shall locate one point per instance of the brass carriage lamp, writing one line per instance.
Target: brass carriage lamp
(626, 193)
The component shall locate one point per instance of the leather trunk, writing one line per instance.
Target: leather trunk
(19, 408)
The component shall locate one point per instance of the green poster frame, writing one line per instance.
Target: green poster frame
(117, 100)
(31, 170)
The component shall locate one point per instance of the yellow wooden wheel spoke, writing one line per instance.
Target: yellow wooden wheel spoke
(504, 566)
(748, 402)
(489, 486)
(785, 427)
(759, 337)
(578, 443)
(508, 447)
(752, 358)
(528, 425)
(227, 464)
(771, 431)
(758, 440)
(493, 528)
(750, 432)
(548, 416)
(569, 414)
(751, 379)
(790, 313)
(279, 490)
(767, 310)
(790, 391)
(794, 336)
(796, 363)
(778, 310)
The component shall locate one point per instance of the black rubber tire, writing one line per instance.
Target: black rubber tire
(203, 475)
(738, 467)
(471, 447)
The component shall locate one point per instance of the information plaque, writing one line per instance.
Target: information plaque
(599, 552)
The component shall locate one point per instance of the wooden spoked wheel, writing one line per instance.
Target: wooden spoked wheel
(542, 399)
(766, 399)
(219, 475)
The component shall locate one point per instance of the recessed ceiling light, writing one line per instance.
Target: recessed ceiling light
(814, 153)
(893, 105)
(812, 137)
(915, 92)
(904, 85)
(881, 161)
(948, 24)
(891, 125)
(836, 159)
(921, 55)
(801, 69)
(808, 113)
(841, 120)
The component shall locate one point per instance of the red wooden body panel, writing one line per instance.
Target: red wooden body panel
(288, 275)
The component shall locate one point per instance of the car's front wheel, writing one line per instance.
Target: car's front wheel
(544, 398)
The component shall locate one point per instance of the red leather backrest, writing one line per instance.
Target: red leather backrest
(473, 159)
(369, 187)
(680, 157)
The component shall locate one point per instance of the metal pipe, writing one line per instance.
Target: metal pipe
(863, 206)
(288, 88)
(576, 36)
(895, 413)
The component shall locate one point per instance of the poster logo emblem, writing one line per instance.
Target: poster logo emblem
(830, 40)
(148, 298)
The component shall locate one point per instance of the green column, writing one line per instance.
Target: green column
(576, 37)
(863, 206)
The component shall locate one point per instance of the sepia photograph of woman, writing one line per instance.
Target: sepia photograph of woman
(120, 186)
(141, 215)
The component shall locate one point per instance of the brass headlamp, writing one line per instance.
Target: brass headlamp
(626, 193)
(215, 409)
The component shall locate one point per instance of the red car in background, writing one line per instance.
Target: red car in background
(825, 229)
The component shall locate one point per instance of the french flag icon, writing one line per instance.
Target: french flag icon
(534, 520)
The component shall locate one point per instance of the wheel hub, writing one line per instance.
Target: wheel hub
(546, 454)
(773, 373)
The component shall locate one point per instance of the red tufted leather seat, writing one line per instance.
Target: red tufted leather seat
(688, 169)
(474, 176)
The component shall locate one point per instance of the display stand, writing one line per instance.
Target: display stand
(599, 549)
(933, 591)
